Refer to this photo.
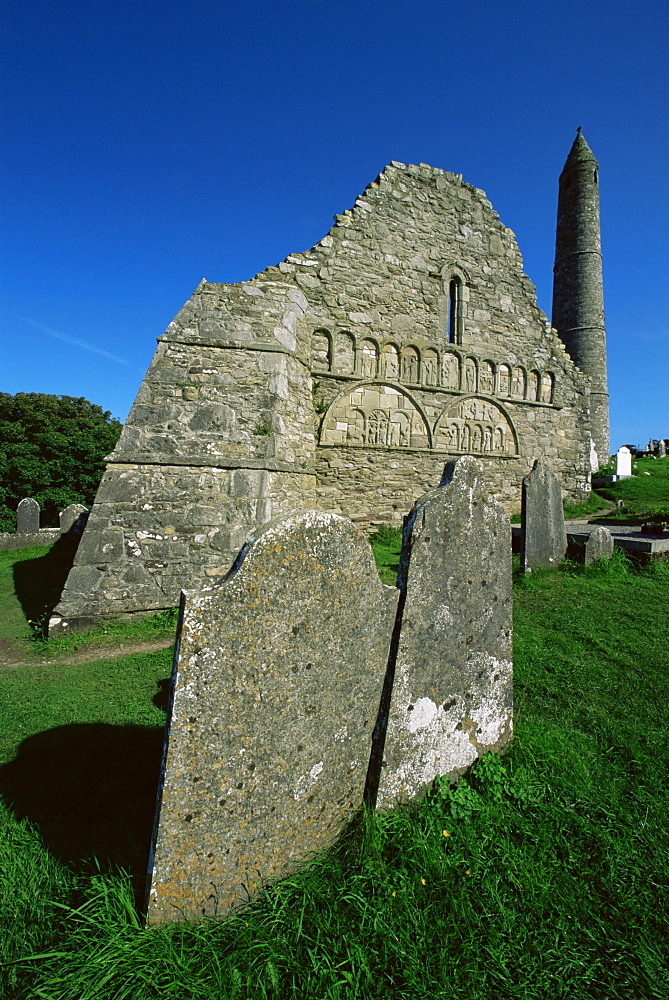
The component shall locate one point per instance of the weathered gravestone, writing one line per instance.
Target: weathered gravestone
(71, 515)
(27, 517)
(662, 449)
(275, 694)
(452, 691)
(599, 545)
(623, 463)
(542, 533)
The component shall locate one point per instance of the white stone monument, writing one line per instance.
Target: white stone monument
(623, 463)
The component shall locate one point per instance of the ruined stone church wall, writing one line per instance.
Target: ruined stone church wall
(219, 440)
(344, 378)
(474, 368)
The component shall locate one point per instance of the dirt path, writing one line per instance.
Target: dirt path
(10, 656)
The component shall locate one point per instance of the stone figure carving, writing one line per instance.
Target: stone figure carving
(518, 385)
(486, 378)
(410, 365)
(356, 428)
(368, 359)
(470, 375)
(391, 361)
(533, 387)
(450, 371)
(430, 368)
(504, 380)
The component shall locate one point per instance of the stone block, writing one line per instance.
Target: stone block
(543, 534)
(275, 694)
(452, 690)
(599, 545)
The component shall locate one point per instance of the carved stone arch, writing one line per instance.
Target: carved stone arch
(451, 269)
(470, 375)
(367, 357)
(450, 370)
(410, 364)
(431, 365)
(534, 385)
(455, 284)
(480, 417)
(547, 387)
(344, 353)
(504, 379)
(389, 364)
(387, 409)
(487, 376)
(321, 350)
(519, 382)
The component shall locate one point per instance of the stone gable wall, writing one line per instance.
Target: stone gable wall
(344, 379)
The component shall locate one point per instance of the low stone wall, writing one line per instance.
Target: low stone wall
(10, 540)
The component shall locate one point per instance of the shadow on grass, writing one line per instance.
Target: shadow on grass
(39, 582)
(90, 790)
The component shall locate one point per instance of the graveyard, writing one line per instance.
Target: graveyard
(542, 871)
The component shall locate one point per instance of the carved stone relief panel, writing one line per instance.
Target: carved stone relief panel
(430, 367)
(450, 371)
(375, 415)
(390, 362)
(410, 365)
(476, 427)
(368, 358)
(469, 384)
(486, 378)
(504, 380)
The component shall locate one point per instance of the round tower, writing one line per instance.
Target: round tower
(578, 298)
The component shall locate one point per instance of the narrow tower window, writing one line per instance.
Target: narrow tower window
(453, 311)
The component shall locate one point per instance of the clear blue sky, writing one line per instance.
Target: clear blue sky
(150, 144)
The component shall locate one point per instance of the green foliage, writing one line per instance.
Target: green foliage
(52, 449)
(262, 430)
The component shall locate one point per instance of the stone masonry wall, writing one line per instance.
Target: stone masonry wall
(344, 379)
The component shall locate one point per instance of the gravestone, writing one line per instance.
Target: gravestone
(27, 517)
(599, 545)
(452, 691)
(662, 449)
(542, 532)
(70, 516)
(623, 463)
(276, 690)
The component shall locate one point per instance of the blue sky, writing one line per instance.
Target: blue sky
(150, 144)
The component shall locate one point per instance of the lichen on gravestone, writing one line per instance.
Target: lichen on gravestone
(599, 545)
(452, 685)
(275, 694)
(27, 517)
(543, 535)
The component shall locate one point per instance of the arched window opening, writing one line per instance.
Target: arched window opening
(453, 311)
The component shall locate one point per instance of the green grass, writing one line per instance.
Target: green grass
(645, 494)
(386, 544)
(553, 880)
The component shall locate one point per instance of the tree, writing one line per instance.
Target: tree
(51, 448)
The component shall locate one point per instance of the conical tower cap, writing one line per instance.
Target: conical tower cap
(580, 152)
